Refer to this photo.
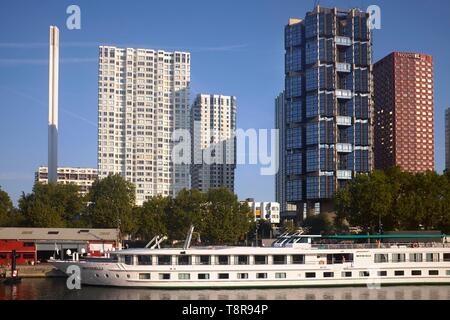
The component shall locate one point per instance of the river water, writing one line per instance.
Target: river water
(55, 289)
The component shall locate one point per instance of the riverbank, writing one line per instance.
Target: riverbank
(43, 270)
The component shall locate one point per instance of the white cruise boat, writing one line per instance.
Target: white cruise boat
(292, 261)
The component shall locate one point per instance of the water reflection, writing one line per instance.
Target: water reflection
(55, 289)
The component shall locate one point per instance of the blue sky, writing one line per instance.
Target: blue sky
(236, 46)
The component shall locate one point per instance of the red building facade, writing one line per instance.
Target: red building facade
(404, 112)
(25, 252)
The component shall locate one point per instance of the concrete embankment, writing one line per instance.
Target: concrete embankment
(38, 271)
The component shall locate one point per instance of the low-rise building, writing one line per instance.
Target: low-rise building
(269, 211)
(33, 244)
(82, 177)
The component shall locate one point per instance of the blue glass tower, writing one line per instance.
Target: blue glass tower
(328, 89)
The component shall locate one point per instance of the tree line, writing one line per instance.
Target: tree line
(218, 216)
(396, 200)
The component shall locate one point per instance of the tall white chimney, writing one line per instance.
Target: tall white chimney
(53, 106)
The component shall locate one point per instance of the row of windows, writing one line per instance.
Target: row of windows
(282, 275)
(207, 260)
(413, 257)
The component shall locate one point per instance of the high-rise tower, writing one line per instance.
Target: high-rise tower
(53, 106)
(328, 105)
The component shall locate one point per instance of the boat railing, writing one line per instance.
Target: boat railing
(380, 245)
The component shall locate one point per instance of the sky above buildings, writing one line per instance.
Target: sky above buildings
(236, 49)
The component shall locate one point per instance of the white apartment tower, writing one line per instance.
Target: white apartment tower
(143, 97)
(213, 125)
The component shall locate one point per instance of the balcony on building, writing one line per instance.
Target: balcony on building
(344, 147)
(343, 41)
(344, 175)
(344, 94)
(344, 121)
(343, 67)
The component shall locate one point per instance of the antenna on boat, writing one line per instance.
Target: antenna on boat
(187, 242)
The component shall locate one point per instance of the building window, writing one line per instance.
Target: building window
(260, 259)
(280, 275)
(164, 276)
(144, 276)
(399, 273)
(261, 276)
(203, 276)
(310, 275)
(224, 276)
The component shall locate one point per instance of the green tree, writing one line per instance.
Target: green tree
(320, 224)
(228, 220)
(111, 202)
(152, 217)
(6, 209)
(188, 208)
(51, 205)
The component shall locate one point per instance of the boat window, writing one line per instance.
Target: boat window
(184, 276)
(117, 275)
(415, 257)
(223, 260)
(164, 260)
(433, 272)
(447, 272)
(382, 273)
(128, 259)
(242, 259)
(279, 259)
(381, 258)
(184, 260)
(261, 275)
(114, 258)
(96, 275)
(339, 258)
(260, 259)
(346, 274)
(280, 275)
(164, 276)
(144, 276)
(398, 257)
(310, 275)
(245, 275)
(204, 260)
(106, 275)
(298, 259)
(364, 273)
(432, 257)
(224, 276)
(399, 273)
(328, 274)
(446, 257)
(144, 260)
(203, 276)
(416, 272)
